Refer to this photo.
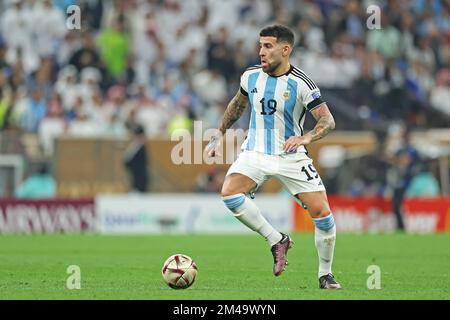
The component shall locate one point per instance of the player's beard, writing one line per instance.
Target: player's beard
(271, 67)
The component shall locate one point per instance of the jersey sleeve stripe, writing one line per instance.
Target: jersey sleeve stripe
(297, 70)
(305, 78)
(309, 79)
(245, 93)
(311, 85)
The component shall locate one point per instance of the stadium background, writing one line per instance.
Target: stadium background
(71, 100)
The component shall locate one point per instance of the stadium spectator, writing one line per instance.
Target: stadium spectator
(80, 125)
(87, 55)
(136, 161)
(17, 31)
(424, 184)
(116, 104)
(145, 43)
(50, 30)
(386, 40)
(5, 108)
(40, 185)
(96, 110)
(134, 38)
(4, 66)
(186, 55)
(114, 48)
(92, 12)
(52, 126)
(66, 86)
(440, 95)
(116, 10)
(90, 80)
(219, 54)
(353, 23)
(43, 78)
(403, 169)
(312, 37)
(31, 110)
(211, 86)
(151, 113)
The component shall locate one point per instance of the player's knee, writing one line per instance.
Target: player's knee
(321, 212)
(226, 192)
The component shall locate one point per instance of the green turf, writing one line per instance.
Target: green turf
(230, 267)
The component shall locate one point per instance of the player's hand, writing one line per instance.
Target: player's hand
(213, 147)
(296, 141)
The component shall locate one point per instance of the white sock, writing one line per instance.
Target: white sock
(246, 211)
(325, 238)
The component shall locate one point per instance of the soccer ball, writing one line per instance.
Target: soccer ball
(179, 271)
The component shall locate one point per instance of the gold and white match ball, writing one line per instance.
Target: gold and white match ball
(179, 271)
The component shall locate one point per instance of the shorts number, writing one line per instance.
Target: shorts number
(310, 175)
(271, 104)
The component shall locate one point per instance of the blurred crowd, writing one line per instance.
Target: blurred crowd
(395, 169)
(165, 63)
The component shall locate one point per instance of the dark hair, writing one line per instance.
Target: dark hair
(138, 130)
(42, 168)
(280, 32)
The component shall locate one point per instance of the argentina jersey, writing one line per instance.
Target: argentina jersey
(278, 107)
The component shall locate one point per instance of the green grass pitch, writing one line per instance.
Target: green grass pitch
(230, 267)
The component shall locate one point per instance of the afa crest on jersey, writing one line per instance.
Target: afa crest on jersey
(287, 94)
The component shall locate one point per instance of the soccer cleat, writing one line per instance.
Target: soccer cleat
(279, 251)
(328, 282)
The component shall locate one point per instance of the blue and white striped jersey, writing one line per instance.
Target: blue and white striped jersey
(278, 107)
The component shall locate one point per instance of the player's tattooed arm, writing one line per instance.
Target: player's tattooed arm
(234, 111)
(325, 122)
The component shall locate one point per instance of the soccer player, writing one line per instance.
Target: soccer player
(279, 95)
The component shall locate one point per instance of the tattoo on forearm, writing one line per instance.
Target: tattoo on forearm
(234, 111)
(322, 128)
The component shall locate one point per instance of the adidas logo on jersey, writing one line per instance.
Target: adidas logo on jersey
(254, 90)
